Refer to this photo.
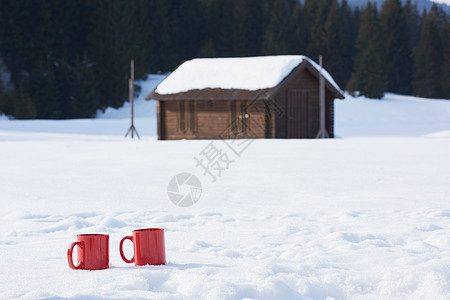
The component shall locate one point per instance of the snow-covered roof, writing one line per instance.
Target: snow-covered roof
(245, 73)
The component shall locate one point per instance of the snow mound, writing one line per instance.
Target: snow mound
(446, 2)
(394, 115)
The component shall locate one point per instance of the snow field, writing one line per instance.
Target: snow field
(365, 216)
(348, 218)
(394, 115)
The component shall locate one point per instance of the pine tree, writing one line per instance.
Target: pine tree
(299, 39)
(218, 28)
(428, 59)
(189, 30)
(114, 40)
(412, 18)
(277, 33)
(338, 42)
(310, 7)
(249, 25)
(23, 106)
(331, 38)
(83, 101)
(368, 77)
(397, 51)
(319, 15)
(153, 50)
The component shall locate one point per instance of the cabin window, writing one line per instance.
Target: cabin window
(238, 116)
(188, 116)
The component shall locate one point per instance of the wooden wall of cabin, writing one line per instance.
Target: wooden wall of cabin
(168, 120)
(259, 121)
(306, 81)
(160, 115)
(329, 112)
(212, 121)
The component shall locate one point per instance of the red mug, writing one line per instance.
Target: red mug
(148, 247)
(92, 252)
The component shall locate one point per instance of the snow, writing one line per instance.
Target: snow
(394, 115)
(142, 108)
(364, 216)
(447, 2)
(248, 73)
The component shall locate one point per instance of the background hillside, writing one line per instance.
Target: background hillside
(68, 59)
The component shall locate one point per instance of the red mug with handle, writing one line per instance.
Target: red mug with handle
(92, 252)
(148, 247)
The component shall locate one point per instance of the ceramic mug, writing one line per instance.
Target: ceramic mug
(92, 252)
(148, 247)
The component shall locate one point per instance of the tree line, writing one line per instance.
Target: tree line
(67, 59)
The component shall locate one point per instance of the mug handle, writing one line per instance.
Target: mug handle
(121, 249)
(70, 257)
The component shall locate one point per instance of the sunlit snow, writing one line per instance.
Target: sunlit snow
(362, 216)
(248, 73)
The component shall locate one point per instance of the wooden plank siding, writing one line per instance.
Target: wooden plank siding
(306, 81)
(259, 127)
(213, 120)
(329, 112)
(169, 120)
(298, 113)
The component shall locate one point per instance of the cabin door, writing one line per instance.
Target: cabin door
(298, 113)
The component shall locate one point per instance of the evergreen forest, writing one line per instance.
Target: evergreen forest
(67, 59)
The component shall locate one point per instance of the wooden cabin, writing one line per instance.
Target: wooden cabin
(253, 97)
